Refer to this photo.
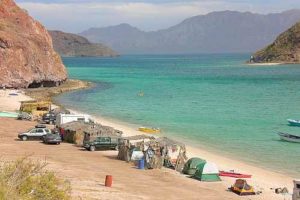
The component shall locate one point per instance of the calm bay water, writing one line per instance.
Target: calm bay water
(215, 102)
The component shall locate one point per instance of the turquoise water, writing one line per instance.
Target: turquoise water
(215, 102)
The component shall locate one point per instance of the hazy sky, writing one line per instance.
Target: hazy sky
(78, 15)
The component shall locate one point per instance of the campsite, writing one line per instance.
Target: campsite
(150, 156)
(144, 151)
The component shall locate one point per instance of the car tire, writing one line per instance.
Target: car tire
(24, 138)
(92, 148)
(58, 143)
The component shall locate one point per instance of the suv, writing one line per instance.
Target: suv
(101, 143)
(49, 118)
(36, 133)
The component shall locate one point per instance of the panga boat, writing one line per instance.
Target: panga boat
(149, 130)
(294, 122)
(289, 137)
(234, 174)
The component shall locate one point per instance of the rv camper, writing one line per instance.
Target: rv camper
(66, 118)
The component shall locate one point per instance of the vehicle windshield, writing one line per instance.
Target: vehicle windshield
(32, 130)
(47, 130)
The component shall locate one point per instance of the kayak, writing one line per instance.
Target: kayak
(149, 130)
(234, 175)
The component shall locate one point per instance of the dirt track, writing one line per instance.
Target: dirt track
(87, 170)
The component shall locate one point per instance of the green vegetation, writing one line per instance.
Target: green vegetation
(28, 180)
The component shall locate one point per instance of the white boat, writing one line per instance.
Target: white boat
(289, 137)
(294, 122)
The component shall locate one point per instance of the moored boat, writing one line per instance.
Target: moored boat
(149, 130)
(294, 122)
(289, 137)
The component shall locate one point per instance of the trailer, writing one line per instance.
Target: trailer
(66, 118)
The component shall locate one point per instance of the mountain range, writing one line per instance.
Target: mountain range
(216, 32)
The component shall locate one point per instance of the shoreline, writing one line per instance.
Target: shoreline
(270, 63)
(69, 85)
(264, 64)
(262, 179)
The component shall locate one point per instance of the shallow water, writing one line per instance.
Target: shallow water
(211, 101)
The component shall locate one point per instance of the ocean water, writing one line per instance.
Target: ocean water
(211, 101)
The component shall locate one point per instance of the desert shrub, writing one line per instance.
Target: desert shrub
(28, 180)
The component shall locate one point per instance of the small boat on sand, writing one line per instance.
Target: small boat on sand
(289, 137)
(149, 130)
(234, 174)
(294, 122)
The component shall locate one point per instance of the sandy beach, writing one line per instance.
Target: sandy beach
(265, 64)
(86, 170)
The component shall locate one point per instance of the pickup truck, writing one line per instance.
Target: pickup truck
(36, 133)
(101, 143)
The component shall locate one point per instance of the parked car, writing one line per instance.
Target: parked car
(101, 143)
(36, 133)
(49, 118)
(52, 138)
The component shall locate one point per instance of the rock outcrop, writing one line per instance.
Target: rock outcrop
(68, 44)
(27, 57)
(285, 49)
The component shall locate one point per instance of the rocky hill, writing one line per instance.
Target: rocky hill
(285, 49)
(67, 44)
(27, 57)
(216, 32)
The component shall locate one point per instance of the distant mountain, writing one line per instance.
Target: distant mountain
(67, 44)
(285, 49)
(216, 32)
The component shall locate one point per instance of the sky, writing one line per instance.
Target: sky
(78, 15)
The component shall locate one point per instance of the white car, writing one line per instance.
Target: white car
(36, 133)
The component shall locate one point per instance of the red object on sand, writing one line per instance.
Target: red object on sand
(234, 175)
(108, 181)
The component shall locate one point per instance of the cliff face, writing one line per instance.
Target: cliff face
(27, 58)
(285, 49)
(67, 44)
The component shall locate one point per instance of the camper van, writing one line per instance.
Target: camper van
(66, 118)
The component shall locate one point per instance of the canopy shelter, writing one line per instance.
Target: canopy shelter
(77, 131)
(166, 152)
(207, 171)
(128, 145)
(36, 108)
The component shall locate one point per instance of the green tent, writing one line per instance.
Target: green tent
(190, 166)
(207, 172)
